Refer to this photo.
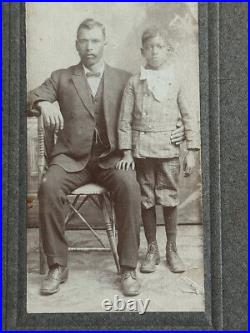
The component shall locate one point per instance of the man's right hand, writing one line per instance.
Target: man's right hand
(51, 115)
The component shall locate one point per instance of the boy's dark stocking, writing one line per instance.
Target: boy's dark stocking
(152, 257)
(170, 218)
(174, 262)
(149, 223)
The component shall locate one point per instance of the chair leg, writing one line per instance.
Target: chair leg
(70, 212)
(109, 231)
(42, 256)
(112, 216)
(87, 224)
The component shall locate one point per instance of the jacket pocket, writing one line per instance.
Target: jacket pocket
(155, 145)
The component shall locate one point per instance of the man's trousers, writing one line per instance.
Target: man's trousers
(58, 183)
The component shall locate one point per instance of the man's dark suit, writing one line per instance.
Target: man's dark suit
(71, 164)
(70, 89)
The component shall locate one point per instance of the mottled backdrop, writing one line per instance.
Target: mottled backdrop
(51, 34)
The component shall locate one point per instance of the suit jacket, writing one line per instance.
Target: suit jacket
(70, 89)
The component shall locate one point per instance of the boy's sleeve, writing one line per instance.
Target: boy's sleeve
(190, 118)
(126, 115)
(47, 91)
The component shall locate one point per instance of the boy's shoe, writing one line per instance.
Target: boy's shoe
(151, 260)
(174, 262)
(129, 283)
(56, 275)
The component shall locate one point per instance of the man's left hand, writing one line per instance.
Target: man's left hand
(178, 135)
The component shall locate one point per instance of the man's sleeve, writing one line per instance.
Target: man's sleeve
(190, 118)
(47, 91)
(126, 114)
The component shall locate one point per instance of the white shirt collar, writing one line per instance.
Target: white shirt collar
(99, 67)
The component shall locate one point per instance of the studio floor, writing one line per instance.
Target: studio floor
(93, 277)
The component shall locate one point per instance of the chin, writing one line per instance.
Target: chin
(89, 62)
(154, 65)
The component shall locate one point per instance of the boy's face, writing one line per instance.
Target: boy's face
(155, 52)
(90, 45)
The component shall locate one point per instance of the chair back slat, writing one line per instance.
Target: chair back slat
(46, 142)
(41, 149)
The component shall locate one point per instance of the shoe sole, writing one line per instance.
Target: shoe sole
(175, 271)
(182, 271)
(133, 293)
(46, 292)
(51, 292)
(143, 270)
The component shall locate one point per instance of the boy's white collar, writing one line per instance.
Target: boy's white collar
(157, 81)
(147, 73)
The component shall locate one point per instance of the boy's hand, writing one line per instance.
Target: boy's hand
(178, 135)
(126, 162)
(189, 163)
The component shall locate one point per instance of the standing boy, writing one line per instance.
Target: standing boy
(153, 101)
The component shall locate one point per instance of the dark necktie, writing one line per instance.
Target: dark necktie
(91, 74)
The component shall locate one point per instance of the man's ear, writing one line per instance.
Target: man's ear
(76, 44)
(142, 51)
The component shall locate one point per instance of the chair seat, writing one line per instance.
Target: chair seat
(89, 189)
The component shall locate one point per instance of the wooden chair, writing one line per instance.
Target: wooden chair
(98, 194)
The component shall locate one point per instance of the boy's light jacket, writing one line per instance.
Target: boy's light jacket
(146, 124)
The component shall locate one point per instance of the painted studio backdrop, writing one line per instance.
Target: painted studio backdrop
(51, 34)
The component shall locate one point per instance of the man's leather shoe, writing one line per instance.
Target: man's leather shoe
(56, 275)
(129, 283)
(174, 262)
(151, 260)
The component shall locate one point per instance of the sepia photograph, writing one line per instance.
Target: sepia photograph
(114, 172)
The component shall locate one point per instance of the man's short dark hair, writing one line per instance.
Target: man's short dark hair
(152, 32)
(89, 24)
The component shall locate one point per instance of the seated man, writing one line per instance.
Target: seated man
(89, 96)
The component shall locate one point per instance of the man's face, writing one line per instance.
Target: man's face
(90, 45)
(155, 52)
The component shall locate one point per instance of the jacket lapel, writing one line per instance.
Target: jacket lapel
(108, 90)
(82, 88)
